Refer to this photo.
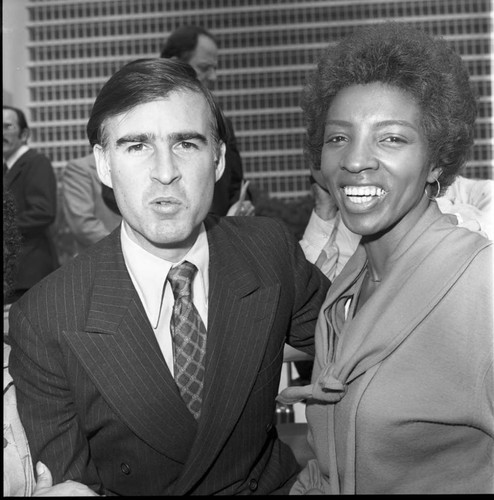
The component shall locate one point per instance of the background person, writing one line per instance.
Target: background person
(30, 178)
(199, 48)
(85, 211)
(402, 391)
(101, 389)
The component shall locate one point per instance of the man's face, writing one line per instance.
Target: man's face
(13, 138)
(205, 60)
(162, 161)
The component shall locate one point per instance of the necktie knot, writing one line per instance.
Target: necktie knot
(180, 278)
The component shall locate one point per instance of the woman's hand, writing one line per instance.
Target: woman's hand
(242, 208)
(324, 204)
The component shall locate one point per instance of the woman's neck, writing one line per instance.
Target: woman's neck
(376, 260)
(379, 247)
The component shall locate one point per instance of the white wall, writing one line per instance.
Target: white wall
(15, 54)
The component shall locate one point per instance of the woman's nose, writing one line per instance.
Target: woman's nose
(359, 156)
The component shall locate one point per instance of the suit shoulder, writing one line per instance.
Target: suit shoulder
(84, 162)
(34, 154)
(36, 163)
(76, 274)
(257, 226)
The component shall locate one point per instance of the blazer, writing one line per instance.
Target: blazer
(32, 182)
(408, 406)
(98, 401)
(86, 214)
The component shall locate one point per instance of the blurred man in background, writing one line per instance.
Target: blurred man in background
(87, 214)
(199, 48)
(30, 177)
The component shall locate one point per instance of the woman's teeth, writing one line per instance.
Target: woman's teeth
(363, 194)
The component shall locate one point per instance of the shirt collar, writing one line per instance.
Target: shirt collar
(12, 159)
(149, 272)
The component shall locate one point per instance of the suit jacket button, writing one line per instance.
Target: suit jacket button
(125, 468)
(269, 428)
(252, 485)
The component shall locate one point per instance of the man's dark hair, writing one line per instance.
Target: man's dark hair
(143, 81)
(183, 41)
(21, 117)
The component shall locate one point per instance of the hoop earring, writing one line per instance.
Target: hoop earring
(437, 192)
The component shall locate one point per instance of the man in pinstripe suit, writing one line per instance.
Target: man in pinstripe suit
(92, 355)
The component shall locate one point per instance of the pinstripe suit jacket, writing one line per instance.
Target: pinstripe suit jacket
(98, 401)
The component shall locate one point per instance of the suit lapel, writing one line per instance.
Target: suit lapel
(17, 167)
(240, 310)
(120, 353)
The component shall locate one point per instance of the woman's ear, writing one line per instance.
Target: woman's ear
(434, 174)
(102, 165)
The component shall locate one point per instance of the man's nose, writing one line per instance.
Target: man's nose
(213, 75)
(164, 168)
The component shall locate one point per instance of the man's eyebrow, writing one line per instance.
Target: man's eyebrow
(174, 137)
(341, 123)
(133, 138)
(187, 136)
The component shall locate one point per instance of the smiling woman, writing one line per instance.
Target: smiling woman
(376, 164)
(401, 400)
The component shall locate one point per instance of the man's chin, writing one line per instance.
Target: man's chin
(177, 237)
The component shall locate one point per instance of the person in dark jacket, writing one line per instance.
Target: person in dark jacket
(149, 364)
(30, 177)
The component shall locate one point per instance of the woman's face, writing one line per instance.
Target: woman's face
(375, 158)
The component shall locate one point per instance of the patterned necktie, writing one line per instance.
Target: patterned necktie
(189, 338)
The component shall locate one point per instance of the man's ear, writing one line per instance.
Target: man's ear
(102, 165)
(24, 135)
(220, 161)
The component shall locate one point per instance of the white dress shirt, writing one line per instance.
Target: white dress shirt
(471, 200)
(332, 237)
(148, 274)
